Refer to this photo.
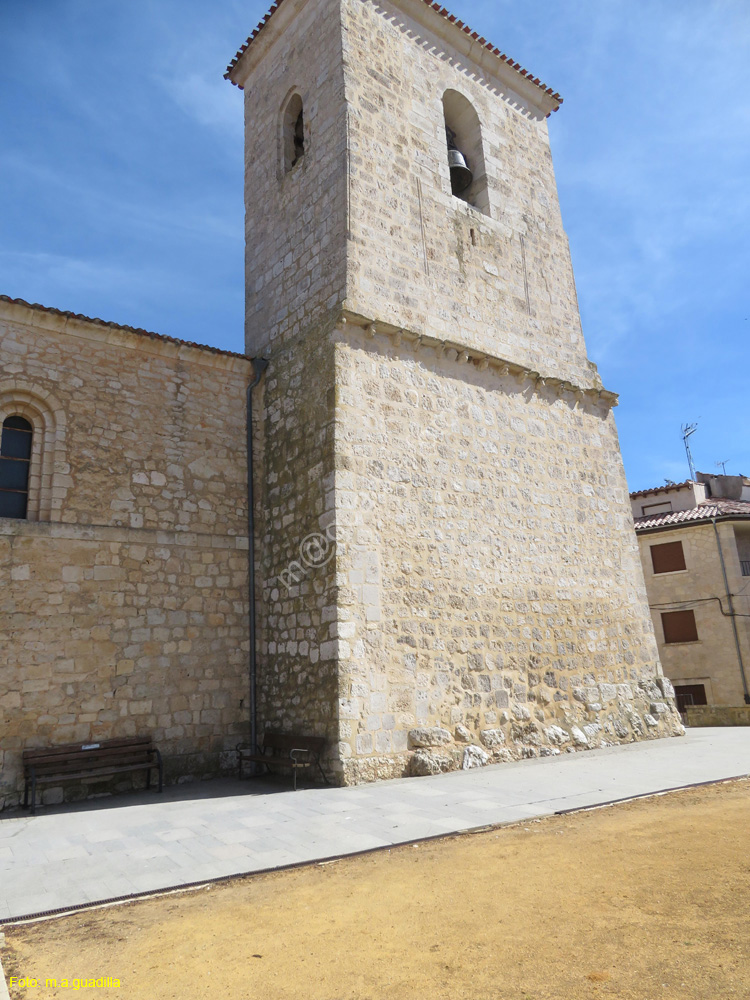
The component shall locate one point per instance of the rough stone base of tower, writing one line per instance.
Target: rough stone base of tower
(489, 597)
(635, 712)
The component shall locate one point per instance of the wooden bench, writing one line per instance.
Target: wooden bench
(284, 750)
(49, 765)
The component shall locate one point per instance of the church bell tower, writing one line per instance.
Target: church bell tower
(449, 574)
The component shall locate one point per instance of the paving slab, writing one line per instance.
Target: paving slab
(68, 856)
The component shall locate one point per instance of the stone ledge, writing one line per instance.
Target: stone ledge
(707, 716)
(12, 528)
(460, 354)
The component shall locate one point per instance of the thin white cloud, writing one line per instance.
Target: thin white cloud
(75, 274)
(141, 212)
(208, 101)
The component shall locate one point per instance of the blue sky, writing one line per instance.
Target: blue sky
(121, 185)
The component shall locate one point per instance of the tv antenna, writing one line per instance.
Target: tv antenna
(687, 432)
(722, 466)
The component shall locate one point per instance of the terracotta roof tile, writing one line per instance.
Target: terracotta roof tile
(120, 326)
(662, 489)
(443, 13)
(719, 509)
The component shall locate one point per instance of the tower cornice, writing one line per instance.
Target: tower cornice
(453, 350)
(433, 17)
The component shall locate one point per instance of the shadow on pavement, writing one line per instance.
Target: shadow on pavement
(192, 791)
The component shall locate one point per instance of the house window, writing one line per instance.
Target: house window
(665, 507)
(679, 626)
(690, 694)
(15, 459)
(668, 558)
(463, 134)
(293, 128)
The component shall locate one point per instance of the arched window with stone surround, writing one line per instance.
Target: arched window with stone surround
(15, 461)
(463, 133)
(24, 405)
(293, 131)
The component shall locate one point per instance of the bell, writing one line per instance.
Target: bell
(461, 175)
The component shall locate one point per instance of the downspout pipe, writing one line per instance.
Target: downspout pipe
(259, 366)
(731, 613)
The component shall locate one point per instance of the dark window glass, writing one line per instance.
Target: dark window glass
(668, 558)
(14, 474)
(679, 626)
(13, 504)
(17, 423)
(15, 458)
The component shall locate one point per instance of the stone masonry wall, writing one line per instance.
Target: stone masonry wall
(296, 221)
(297, 664)
(490, 592)
(124, 612)
(424, 260)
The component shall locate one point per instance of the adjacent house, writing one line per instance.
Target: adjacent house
(695, 548)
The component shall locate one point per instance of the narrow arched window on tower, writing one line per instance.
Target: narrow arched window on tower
(15, 459)
(463, 134)
(294, 132)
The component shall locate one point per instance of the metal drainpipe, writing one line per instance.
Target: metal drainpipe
(259, 366)
(731, 612)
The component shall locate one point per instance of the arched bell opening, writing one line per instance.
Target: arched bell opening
(293, 132)
(463, 134)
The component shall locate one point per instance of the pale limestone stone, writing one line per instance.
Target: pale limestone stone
(433, 737)
(608, 692)
(492, 738)
(474, 756)
(426, 762)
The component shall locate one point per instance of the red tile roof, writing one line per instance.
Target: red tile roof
(120, 326)
(444, 13)
(719, 509)
(662, 489)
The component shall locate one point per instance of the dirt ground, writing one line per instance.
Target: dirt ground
(641, 901)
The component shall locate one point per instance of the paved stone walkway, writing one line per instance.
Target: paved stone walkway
(109, 848)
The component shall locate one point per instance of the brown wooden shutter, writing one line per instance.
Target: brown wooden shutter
(668, 558)
(679, 626)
